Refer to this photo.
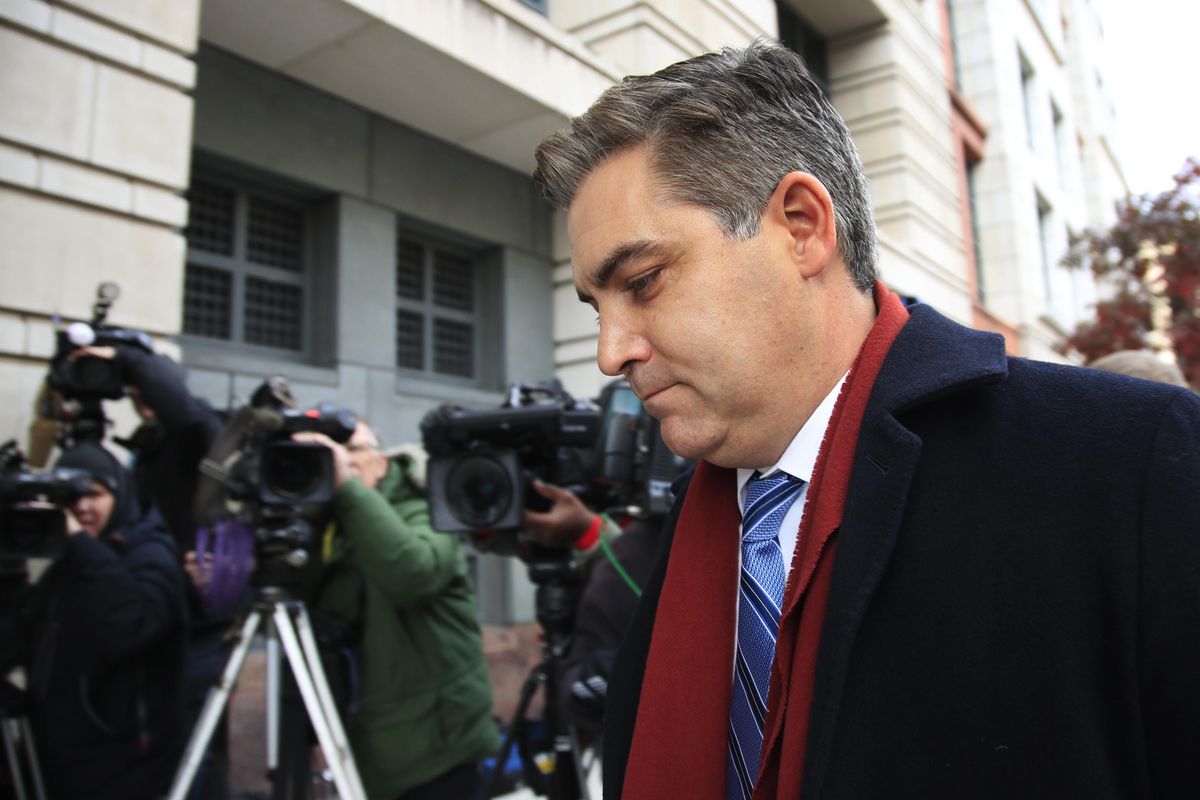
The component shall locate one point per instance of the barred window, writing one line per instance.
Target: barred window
(247, 271)
(437, 308)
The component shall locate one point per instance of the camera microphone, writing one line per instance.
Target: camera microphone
(269, 420)
(80, 334)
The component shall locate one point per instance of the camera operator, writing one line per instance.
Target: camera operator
(106, 629)
(177, 430)
(610, 596)
(423, 720)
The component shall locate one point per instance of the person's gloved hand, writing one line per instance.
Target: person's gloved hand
(591, 689)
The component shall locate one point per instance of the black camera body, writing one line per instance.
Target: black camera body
(88, 378)
(274, 470)
(256, 474)
(32, 524)
(634, 469)
(482, 462)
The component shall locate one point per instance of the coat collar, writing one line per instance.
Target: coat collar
(934, 356)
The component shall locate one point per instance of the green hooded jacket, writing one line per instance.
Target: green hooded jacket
(425, 700)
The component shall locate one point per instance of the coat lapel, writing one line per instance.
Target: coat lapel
(932, 357)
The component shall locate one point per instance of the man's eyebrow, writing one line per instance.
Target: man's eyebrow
(617, 259)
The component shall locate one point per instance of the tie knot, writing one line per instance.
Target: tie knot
(767, 502)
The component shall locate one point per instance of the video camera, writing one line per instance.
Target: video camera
(89, 377)
(482, 462)
(634, 468)
(32, 524)
(255, 471)
(275, 470)
(84, 381)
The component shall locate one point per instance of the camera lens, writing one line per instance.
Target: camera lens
(479, 491)
(293, 470)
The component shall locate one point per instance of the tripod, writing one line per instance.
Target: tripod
(286, 622)
(558, 588)
(17, 738)
(14, 724)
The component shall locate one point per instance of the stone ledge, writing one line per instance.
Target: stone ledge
(95, 38)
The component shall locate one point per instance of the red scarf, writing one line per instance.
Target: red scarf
(680, 738)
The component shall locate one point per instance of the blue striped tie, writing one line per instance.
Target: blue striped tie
(759, 603)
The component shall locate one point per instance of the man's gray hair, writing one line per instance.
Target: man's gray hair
(722, 129)
(1141, 364)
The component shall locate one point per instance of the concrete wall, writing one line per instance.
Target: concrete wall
(1072, 170)
(95, 140)
(368, 172)
(889, 83)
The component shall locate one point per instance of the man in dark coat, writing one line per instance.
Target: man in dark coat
(906, 565)
(108, 637)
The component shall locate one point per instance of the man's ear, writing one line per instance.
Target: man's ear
(802, 210)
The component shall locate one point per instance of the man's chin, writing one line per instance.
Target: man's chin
(686, 439)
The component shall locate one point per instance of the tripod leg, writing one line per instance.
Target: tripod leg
(218, 698)
(313, 654)
(566, 780)
(581, 769)
(340, 760)
(35, 769)
(274, 693)
(518, 734)
(10, 754)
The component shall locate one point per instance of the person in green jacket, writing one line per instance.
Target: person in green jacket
(423, 720)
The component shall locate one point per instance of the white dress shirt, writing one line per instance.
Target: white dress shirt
(798, 460)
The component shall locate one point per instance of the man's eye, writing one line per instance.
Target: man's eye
(642, 283)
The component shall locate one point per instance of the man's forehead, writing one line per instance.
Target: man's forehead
(617, 207)
(363, 434)
(620, 183)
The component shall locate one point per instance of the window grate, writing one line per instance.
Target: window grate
(453, 281)
(410, 270)
(274, 314)
(275, 234)
(206, 301)
(437, 307)
(210, 218)
(453, 348)
(410, 340)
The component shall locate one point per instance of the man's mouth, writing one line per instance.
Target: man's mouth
(654, 392)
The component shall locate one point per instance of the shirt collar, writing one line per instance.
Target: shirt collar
(800, 457)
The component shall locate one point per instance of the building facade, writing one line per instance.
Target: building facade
(338, 190)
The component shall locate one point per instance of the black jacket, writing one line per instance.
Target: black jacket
(105, 676)
(167, 453)
(1016, 592)
(605, 610)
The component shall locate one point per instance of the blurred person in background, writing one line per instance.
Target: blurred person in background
(421, 722)
(1141, 364)
(104, 636)
(177, 430)
(610, 595)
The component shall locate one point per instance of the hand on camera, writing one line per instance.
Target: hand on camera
(198, 574)
(343, 464)
(73, 526)
(107, 353)
(567, 519)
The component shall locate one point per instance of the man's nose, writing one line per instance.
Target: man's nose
(619, 347)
